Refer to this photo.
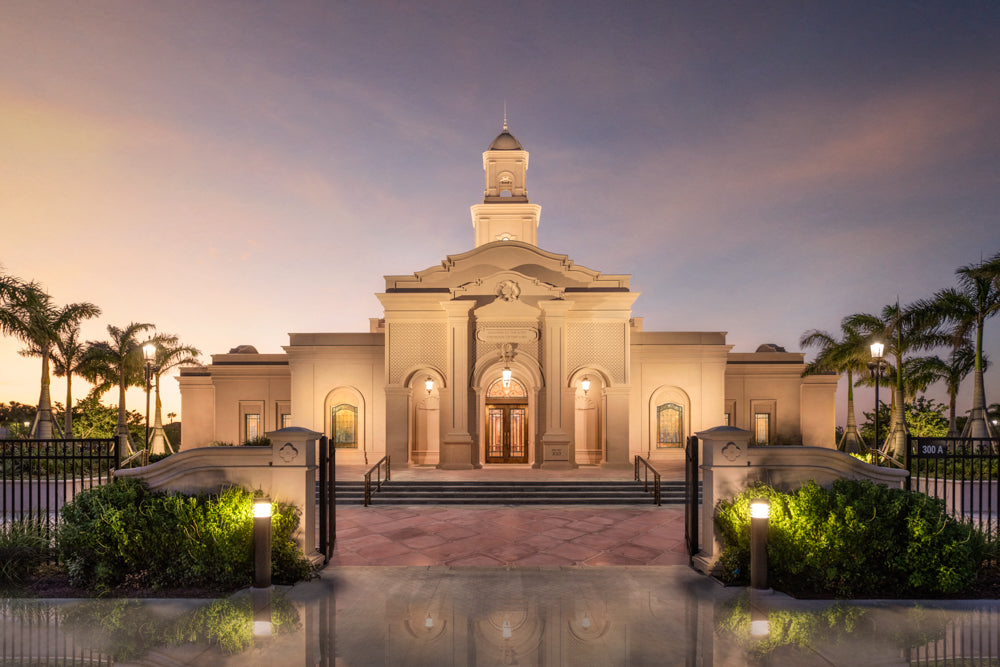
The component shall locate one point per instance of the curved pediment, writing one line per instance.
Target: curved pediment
(529, 261)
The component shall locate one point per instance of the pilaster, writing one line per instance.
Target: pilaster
(556, 443)
(456, 444)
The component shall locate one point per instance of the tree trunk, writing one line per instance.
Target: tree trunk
(68, 417)
(158, 443)
(44, 421)
(952, 419)
(851, 441)
(122, 432)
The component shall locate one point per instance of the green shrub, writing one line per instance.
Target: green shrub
(125, 534)
(23, 547)
(855, 539)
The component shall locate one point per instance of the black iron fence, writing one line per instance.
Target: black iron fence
(38, 477)
(963, 472)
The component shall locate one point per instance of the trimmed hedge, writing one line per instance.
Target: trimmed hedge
(857, 539)
(124, 534)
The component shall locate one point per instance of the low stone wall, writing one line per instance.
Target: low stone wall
(284, 472)
(730, 466)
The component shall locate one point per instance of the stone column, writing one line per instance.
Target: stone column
(724, 474)
(456, 443)
(293, 479)
(397, 426)
(616, 400)
(555, 438)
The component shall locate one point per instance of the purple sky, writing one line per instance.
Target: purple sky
(235, 171)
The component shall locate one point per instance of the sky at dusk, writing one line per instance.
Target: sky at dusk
(236, 171)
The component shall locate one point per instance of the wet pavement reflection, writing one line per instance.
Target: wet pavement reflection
(439, 616)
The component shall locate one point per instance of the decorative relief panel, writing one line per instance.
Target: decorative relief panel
(597, 343)
(416, 344)
(491, 335)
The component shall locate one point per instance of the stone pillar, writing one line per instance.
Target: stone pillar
(556, 450)
(616, 442)
(724, 474)
(456, 443)
(293, 479)
(397, 426)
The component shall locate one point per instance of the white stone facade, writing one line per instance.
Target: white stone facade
(587, 386)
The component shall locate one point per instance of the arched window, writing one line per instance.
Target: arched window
(669, 425)
(344, 425)
(515, 390)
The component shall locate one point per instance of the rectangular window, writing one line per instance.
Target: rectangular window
(286, 420)
(725, 419)
(344, 425)
(251, 426)
(762, 427)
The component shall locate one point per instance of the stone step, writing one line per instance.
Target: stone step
(509, 493)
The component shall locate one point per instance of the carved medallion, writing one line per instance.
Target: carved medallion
(731, 451)
(508, 291)
(288, 452)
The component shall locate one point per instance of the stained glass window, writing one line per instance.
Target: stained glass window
(344, 423)
(669, 425)
(762, 427)
(515, 390)
(251, 426)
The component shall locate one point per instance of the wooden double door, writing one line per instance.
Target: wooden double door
(507, 433)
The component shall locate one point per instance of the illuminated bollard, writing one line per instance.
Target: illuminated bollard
(760, 512)
(261, 543)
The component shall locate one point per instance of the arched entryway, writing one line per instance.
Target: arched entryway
(506, 414)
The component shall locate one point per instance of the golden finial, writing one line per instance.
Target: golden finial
(505, 115)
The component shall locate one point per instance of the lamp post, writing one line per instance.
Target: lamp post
(876, 365)
(149, 354)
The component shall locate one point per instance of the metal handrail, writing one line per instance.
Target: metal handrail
(647, 468)
(142, 455)
(377, 468)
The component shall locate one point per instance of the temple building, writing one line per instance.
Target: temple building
(507, 354)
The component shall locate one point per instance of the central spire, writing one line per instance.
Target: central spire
(505, 214)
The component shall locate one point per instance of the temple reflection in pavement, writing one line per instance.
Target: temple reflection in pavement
(497, 616)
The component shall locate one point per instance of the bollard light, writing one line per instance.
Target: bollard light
(760, 512)
(262, 543)
(760, 624)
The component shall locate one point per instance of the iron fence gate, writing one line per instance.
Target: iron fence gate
(327, 498)
(38, 477)
(963, 472)
(691, 496)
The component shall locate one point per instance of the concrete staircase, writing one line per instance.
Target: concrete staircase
(510, 493)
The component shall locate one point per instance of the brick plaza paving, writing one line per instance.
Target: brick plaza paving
(510, 536)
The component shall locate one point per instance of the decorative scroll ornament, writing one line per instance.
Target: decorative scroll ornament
(508, 291)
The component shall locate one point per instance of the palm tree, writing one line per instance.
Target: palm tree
(118, 361)
(70, 357)
(952, 373)
(967, 308)
(847, 355)
(170, 353)
(903, 331)
(40, 326)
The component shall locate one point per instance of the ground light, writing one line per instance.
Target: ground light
(262, 543)
(760, 513)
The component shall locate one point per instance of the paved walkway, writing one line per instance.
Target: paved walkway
(510, 536)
